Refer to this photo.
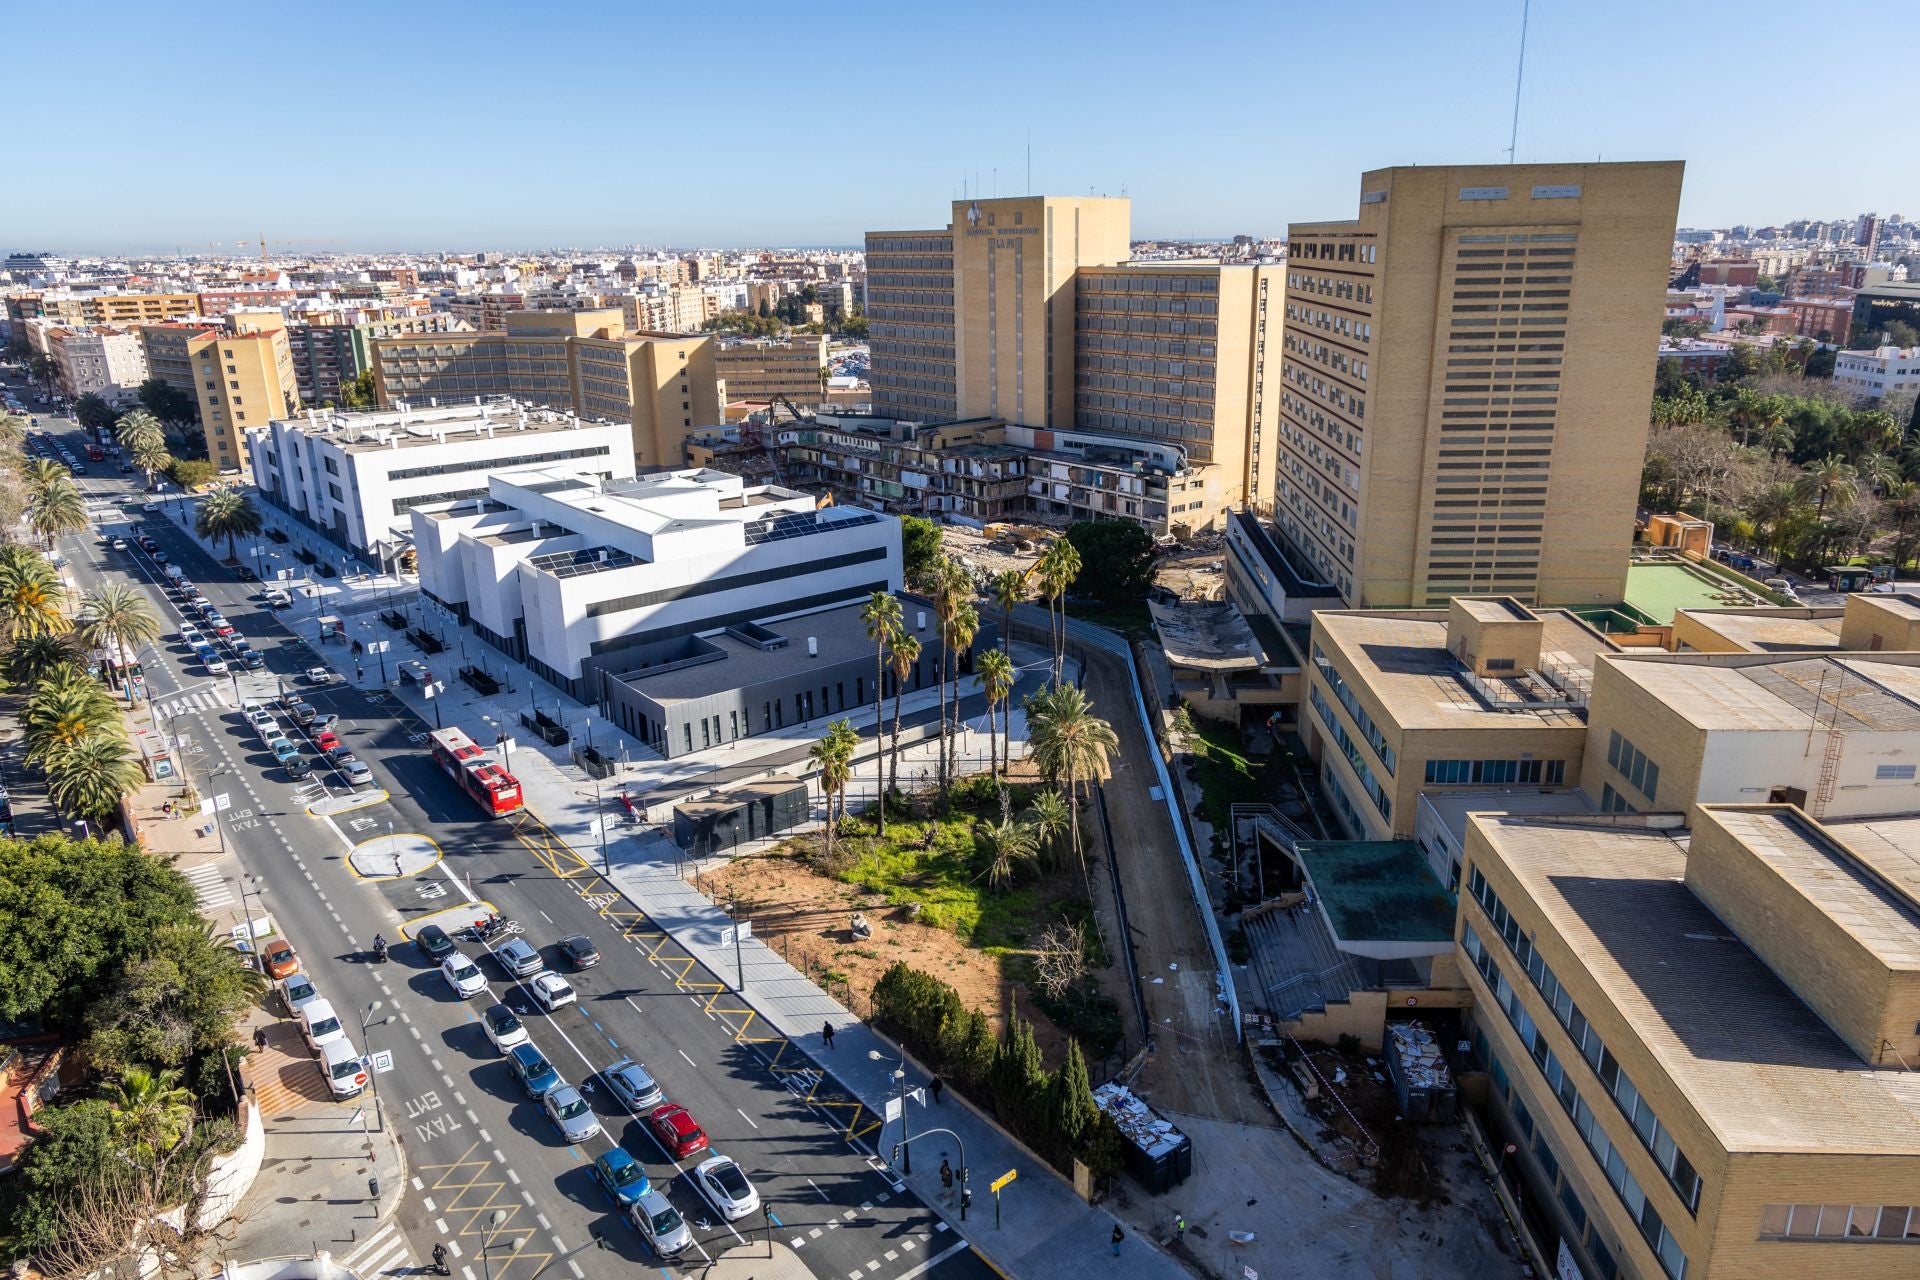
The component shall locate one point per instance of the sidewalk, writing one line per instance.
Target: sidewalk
(313, 1188)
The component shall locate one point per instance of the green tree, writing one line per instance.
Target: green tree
(33, 659)
(152, 1112)
(167, 402)
(1009, 845)
(77, 1145)
(191, 473)
(42, 369)
(359, 391)
(919, 551)
(175, 1000)
(42, 474)
(64, 710)
(115, 616)
(882, 618)
(89, 778)
(853, 325)
(1073, 1112)
(832, 755)
(1019, 1078)
(1008, 590)
(1830, 480)
(1118, 560)
(996, 681)
(228, 514)
(93, 412)
(1049, 817)
(905, 656)
(1070, 745)
(32, 596)
(55, 511)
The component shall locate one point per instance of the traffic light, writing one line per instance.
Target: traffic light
(896, 1153)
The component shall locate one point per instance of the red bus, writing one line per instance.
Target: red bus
(479, 774)
(96, 453)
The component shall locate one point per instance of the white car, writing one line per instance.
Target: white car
(263, 722)
(463, 976)
(551, 990)
(357, 773)
(318, 675)
(727, 1187)
(190, 635)
(502, 1027)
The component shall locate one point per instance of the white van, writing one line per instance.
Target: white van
(341, 1068)
(319, 1025)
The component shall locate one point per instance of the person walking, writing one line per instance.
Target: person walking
(826, 1033)
(1179, 1228)
(934, 1086)
(1118, 1236)
(440, 1260)
(946, 1175)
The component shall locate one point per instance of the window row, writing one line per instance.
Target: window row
(1634, 766)
(1368, 728)
(1375, 792)
(1882, 1222)
(1552, 773)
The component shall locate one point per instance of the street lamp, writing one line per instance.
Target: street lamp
(495, 1221)
(900, 1075)
(600, 820)
(373, 1085)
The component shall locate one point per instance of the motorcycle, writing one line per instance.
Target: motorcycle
(486, 930)
(380, 951)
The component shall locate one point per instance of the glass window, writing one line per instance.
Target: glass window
(1833, 1220)
(1773, 1219)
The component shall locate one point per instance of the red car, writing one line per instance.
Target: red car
(675, 1130)
(326, 740)
(223, 628)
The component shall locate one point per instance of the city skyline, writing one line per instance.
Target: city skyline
(815, 154)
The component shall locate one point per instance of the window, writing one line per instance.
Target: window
(1893, 772)
(1634, 766)
(1888, 1224)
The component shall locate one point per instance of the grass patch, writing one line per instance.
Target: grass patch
(1226, 776)
(1130, 620)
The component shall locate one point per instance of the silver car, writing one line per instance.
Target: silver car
(519, 958)
(661, 1224)
(632, 1085)
(571, 1115)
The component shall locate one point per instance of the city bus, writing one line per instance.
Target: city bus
(496, 791)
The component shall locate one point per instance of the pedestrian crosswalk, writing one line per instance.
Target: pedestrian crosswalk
(210, 887)
(384, 1253)
(214, 699)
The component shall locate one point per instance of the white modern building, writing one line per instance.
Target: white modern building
(1872, 374)
(585, 579)
(355, 476)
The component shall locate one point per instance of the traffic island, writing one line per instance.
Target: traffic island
(346, 802)
(393, 857)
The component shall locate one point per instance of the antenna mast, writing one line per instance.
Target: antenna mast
(1513, 143)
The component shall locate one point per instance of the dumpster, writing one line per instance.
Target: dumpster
(1422, 1083)
(1158, 1155)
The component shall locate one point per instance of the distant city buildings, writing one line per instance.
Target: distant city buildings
(1874, 374)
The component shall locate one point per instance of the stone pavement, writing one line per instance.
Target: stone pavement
(313, 1188)
(756, 1260)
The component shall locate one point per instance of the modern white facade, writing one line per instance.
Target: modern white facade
(356, 476)
(581, 577)
(1872, 374)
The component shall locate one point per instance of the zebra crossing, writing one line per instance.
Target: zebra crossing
(210, 886)
(384, 1253)
(214, 699)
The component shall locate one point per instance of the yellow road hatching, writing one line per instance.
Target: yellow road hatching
(795, 1070)
(468, 1198)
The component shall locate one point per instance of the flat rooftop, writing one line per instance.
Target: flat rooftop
(1759, 1067)
(416, 428)
(1402, 657)
(1205, 636)
(1378, 890)
(1849, 692)
(1660, 588)
(1876, 890)
(1773, 630)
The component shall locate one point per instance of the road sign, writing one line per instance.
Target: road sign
(382, 1060)
(1003, 1180)
(378, 646)
(223, 802)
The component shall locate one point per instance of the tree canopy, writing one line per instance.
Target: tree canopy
(1116, 560)
(167, 402)
(919, 550)
(93, 412)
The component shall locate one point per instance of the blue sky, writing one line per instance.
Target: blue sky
(423, 124)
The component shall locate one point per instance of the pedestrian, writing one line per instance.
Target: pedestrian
(1118, 1236)
(826, 1033)
(1179, 1228)
(934, 1087)
(440, 1260)
(946, 1175)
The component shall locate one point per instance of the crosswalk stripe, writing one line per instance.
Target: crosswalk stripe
(370, 1242)
(210, 887)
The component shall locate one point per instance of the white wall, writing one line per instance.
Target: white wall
(1741, 767)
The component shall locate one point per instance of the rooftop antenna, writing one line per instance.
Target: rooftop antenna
(1513, 143)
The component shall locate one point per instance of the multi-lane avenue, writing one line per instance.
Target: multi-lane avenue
(486, 1166)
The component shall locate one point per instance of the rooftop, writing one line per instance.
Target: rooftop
(1761, 1069)
(409, 428)
(1769, 630)
(1851, 693)
(1378, 891)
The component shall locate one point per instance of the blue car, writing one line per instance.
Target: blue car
(621, 1177)
(536, 1074)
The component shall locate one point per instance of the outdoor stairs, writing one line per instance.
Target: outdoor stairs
(1297, 966)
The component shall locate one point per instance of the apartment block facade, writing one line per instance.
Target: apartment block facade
(102, 360)
(1465, 381)
(328, 353)
(910, 322)
(759, 369)
(241, 380)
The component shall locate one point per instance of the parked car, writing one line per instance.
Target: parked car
(673, 1127)
(357, 773)
(316, 675)
(519, 959)
(321, 723)
(284, 751)
(280, 959)
(660, 1225)
(552, 991)
(302, 712)
(632, 1084)
(535, 1073)
(571, 1115)
(342, 1069)
(503, 1027)
(297, 768)
(463, 976)
(252, 660)
(579, 951)
(297, 990)
(319, 1024)
(433, 940)
(727, 1187)
(325, 740)
(621, 1177)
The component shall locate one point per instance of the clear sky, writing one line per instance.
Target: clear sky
(466, 124)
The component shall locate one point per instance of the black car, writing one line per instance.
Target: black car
(434, 941)
(580, 951)
(245, 574)
(298, 768)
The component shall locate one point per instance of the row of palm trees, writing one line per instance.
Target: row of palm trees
(141, 435)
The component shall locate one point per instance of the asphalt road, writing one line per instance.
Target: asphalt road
(474, 1143)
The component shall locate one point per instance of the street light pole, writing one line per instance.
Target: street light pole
(900, 1074)
(373, 1084)
(495, 1221)
(600, 820)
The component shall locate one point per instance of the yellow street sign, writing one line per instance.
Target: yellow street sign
(1003, 1180)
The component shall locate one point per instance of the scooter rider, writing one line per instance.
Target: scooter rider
(379, 947)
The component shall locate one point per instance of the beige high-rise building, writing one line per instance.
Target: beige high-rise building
(586, 362)
(760, 368)
(242, 380)
(910, 324)
(1465, 405)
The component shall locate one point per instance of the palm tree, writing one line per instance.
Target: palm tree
(1057, 569)
(944, 577)
(1830, 479)
(152, 1112)
(1008, 844)
(136, 426)
(32, 596)
(1008, 590)
(881, 614)
(832, 755)
(996, 678)
(116, 617)
(958, 640)
(34, 659)
(55, 510)
(43, 473)
(225, 513)
(1873, 431)
(151, 455)
(89, 778)
(1878, 471)
(1048, 817)
(1902, 514)
(66, 709)
(1070, 744)
(905, 656)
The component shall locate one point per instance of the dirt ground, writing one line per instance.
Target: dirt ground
(1194, 571)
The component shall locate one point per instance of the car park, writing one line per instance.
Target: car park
(551, 990)
(357, 773)
(580, 951)
(326, 740)
(660, 1225)
(280, 959)
(433, 940)
(463, 976)
(729, 1189)
(262, 721)
(316, 675)
(632, 1084)
(503, 1027)
(571, 1115)
(531, 1068)
(673, 1127)
(621, 1177)
(519, 959)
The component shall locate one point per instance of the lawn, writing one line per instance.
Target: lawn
(1226, 776)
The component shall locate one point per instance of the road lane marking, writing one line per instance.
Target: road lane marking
(934, 1261)
(690, 1061)
(823, 1195)
(746, 1117)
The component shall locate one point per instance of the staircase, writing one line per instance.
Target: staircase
(1295, 964)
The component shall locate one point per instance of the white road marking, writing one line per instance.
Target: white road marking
(690, 1061)
(934, 1261)
(749, 1120)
